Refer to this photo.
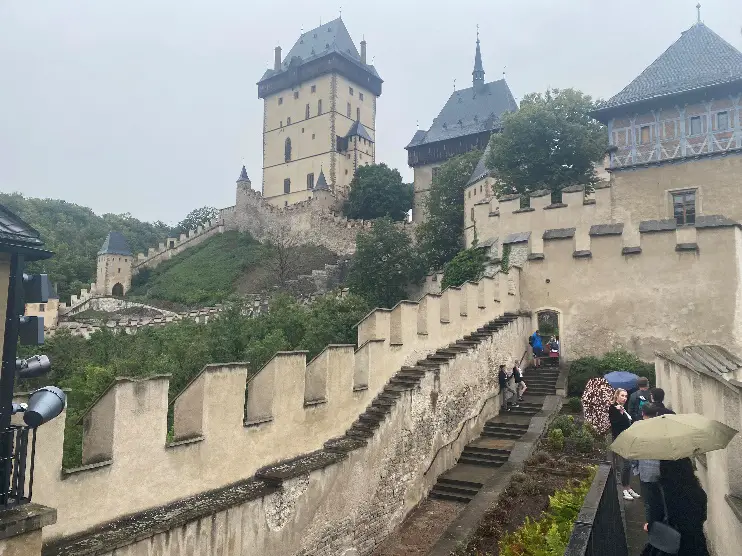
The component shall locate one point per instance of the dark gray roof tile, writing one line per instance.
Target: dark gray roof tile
(480, 170)
(559, 233)
(517, 237)
(714, 221)
(540, 193)
(606, 229)
(115, 244)
(358, 129)
(573, 189)
(657, 225)
(509, 197)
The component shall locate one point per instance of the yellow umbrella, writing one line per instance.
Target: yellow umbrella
(672, 437)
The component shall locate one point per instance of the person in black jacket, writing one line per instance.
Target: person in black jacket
(658, 399)
(620, 421)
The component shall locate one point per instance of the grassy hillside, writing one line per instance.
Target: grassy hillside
(219, 267)
(75, 234)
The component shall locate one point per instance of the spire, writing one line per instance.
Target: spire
(243, 174)
(321, 181)
(478, 73)
(698, 7)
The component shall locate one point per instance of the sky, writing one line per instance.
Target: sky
(150, 107)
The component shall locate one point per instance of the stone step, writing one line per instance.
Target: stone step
(484, 453)
(481, 461)
(502, 435)
(442, 495)
(507, 426)
(519, 411)
(456, 489)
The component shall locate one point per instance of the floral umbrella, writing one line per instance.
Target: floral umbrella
(595, 400)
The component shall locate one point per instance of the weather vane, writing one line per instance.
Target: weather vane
(341, 12)
(454, 83)
(698, 7)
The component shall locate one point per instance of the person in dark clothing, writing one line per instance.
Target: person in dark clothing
(638, 398)
(620, 421)
(505, 390)
(687, 505)
(658, 399)
(520, 385)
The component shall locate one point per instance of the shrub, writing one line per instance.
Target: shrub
(468, 265)
(556, 439)
(566, 423)
(583, 441)
(574, 405)
(582, 370)
(541, 457)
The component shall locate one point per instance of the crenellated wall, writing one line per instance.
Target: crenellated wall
(656, 289)
(292, 407)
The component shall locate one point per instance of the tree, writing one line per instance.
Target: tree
(551, 143)
(195, 218)
(441, 236)
(384, 265)
(377, 191)
(281, 242)
(468, 265)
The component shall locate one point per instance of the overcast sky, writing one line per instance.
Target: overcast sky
(150, 106)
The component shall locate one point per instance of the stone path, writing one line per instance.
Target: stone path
(636, 537)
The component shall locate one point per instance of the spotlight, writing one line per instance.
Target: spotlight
(33, 366)
(44, 405)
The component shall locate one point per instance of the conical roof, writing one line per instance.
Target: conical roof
(115, 244)
(360, 130)
(243, 174)
(321, 181)
(478, 73)
(698, 59)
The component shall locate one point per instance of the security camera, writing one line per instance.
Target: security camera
(33, 366)
(44, 405)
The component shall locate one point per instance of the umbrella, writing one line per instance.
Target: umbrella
(622, 379)
(672, 437)
(595, 400)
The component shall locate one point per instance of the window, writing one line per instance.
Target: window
(645, 135)
(350, 90)
(348, 110)
(469, 194)
(358, 114)
(287, 150)
(172, 246)
(314, 88)
(302, 130)
(319, 107)
(42, 307)
(684, 207)
(306, 112)
(481, 188)
(287, 185)
(312, 135)
(280, 100)
(722, 121)
(695, 125)
(346, 171)
(360, 95)
(281, 123)
(296, 95)
(310, 181)
(471, 214)
(119, 271)
(288, 121)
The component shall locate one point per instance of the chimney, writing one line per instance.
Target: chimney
(277, 61)
(363, 51)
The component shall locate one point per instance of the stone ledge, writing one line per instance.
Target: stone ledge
(573, 189)
(583, 254)
(555, 206)
(524, 209)
(606, 229)
(98, 465)
(684, 247)
(540, 193)
(559, 233)
(536, 257)
(257, 422)
(666, 225)
(589, 202)
(631, 250)
(275, 475)
(25, 518)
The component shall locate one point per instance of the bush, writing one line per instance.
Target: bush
(556, 440)
(566, 423)
(582, 370)
(574, 405)
(468, 265)
(583, 441)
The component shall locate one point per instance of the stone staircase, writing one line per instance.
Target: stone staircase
(480, 458)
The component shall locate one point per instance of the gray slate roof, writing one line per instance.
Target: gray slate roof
(321, 181)
(243, 174)
(480, 170)
(699, 58)
(16, 235)
(331, 37)
(358, 129)
(469, 111)
(709, 359)
(115, 244)
(517, 237)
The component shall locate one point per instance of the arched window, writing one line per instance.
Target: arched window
(287, 150)
(306, 112)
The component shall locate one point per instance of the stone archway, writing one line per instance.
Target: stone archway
(117, 290)
(550, 322)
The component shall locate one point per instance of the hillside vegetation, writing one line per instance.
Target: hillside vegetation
(75, 234)
(221, 266)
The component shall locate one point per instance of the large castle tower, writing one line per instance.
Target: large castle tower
(114, 266)
(319, 114)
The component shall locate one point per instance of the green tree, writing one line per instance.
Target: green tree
(551, 143)
(377, 191)
(384, 265)
(468, 265)
(195, 218)
(441, 236)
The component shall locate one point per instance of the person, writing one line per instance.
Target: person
(507, 392)
(620, 421)
(638, 399)
(555, 344)
(538, 348)
(657, 396)
(649, 476)
(687, 505)
(520, 385)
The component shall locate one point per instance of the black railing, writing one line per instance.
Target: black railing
(599, 528)
(17, 465)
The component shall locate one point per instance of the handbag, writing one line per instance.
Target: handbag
(661, 535)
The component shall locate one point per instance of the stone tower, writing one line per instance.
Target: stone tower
(319, 111)
(114, 266)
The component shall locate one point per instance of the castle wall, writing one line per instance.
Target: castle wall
(675, 287)
(292, 407)
(422, 182)
(331, 502)
(113, 270)
(693, 390)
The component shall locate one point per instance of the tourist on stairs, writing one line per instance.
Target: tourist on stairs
(538, 348)
(520, 386)
(620, 421)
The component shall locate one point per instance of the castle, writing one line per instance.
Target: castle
(328, 456)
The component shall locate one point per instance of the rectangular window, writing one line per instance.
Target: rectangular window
(296, 95)
(350, 90)
(645, 135)
(42, 307)
(469, 194)
(314, 88)
(471, 214)
(349, 109)
(695, 125)
(280, 100)
(319, 107)
(306, 112)
(722, 121)
(358, 114)
(287, 185)
(684, 207)
(310, 181)
(288, 121)
(360, 95)
(281, 123)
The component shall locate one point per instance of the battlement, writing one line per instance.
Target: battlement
(226, 427)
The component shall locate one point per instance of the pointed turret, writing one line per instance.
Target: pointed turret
(321, 181)
(243, 175)
(478, 73)
(115, 244)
